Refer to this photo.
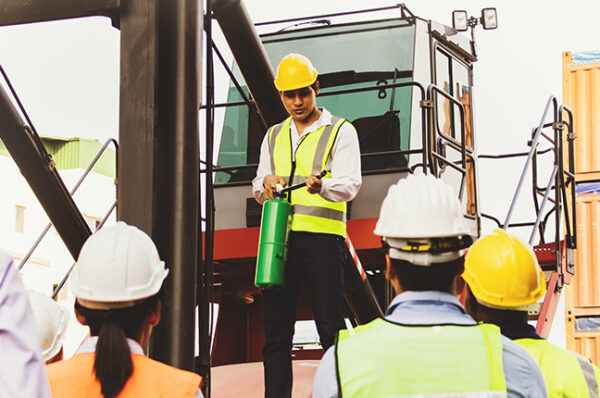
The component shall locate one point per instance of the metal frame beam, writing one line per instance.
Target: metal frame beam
(37, 166)
(15, 12)
(158, 188)
(158, 160)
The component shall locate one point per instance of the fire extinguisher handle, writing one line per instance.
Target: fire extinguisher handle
(303, 184)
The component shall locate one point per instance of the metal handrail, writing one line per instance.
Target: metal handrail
(70, 270)
(72, 192)
(402, 7)
(559, 180)
(512, 155)
(571, 226)
(229, 169)
(432, 91)
(424, 114)
(544, 200)
(551, 101)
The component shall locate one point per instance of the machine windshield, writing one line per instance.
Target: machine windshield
(351, 56)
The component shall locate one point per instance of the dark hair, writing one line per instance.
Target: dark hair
(439, 276)
(113, 365)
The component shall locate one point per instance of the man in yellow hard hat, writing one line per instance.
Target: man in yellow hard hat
(297, 150)
(503, 280)
(426, 345)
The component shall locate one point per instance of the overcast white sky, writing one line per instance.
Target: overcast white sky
(67, 72)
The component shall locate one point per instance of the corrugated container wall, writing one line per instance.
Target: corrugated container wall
(581, 93)
(587, 274)
(588, 345)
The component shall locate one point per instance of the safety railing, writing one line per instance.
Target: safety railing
(60, 285)
(72, 192)
(438, 155)
(424, 123)
(435, 137)
(560, 179)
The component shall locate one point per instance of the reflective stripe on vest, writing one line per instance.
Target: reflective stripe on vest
(311, 213)
(566, 373)
(590, 373)
(383, 359)
(75, 377)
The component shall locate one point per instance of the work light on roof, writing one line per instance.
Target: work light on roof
(489, 18)
(460, 20)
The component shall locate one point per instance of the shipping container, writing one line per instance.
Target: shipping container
(588, 345)
(581, 93)
(587, 273)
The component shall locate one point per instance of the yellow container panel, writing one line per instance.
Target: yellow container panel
(588, 345)
(581, 93)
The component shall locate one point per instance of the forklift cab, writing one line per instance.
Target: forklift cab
(405, 83)
(378, 75)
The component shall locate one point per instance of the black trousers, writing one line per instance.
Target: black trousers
(314, 263)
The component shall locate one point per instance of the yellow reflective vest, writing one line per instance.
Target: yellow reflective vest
(311, 213)
(383, 359)
(566, 374)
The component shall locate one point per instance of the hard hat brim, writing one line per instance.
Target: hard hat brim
(290, 87)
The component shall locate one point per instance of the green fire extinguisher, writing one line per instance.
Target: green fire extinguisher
(272, 246)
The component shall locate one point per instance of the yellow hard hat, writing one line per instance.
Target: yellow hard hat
(503, 272)
(295, 71)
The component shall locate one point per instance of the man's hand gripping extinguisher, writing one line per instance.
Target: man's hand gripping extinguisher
(272, 246)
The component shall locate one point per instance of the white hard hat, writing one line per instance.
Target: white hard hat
(117, 267)
(51, 321)
(417, 210)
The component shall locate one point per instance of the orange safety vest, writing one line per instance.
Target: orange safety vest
(75, 378)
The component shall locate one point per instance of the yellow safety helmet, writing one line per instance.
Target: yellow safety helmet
(295, 71)
(503, 272)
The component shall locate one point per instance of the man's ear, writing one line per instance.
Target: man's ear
(154, 315)
(80, 318)
(316, 87)
(471, 304)
(389, 270)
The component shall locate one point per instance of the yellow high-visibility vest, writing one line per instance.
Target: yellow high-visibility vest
(566, 374)
(311, 213)
(383, 359)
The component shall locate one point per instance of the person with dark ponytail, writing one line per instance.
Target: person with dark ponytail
(117, 285)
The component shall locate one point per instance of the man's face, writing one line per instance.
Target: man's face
(300, 103)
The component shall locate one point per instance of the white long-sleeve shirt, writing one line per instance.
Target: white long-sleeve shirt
(345, 171)
(22, 369)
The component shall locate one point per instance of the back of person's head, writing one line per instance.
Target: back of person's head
(436, 276)
(502, 273)
(51, 321)
(422, 227)
(116, 283)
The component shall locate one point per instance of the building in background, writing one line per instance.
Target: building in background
(24, 219)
